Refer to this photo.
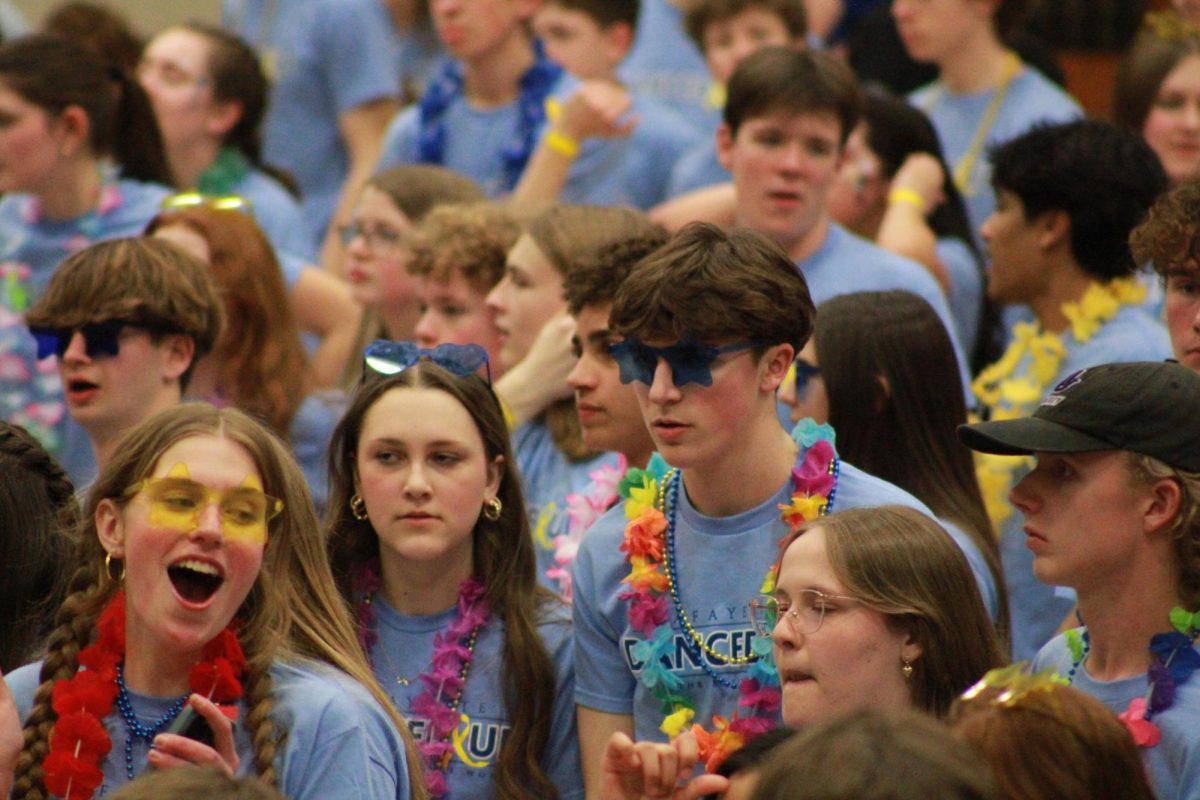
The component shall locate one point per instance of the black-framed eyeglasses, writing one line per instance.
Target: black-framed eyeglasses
(804, 613)
(690, 361)
(101, 338)
(387, 357)
(377, 239)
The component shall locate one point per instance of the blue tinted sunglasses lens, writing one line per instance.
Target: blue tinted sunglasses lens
(99, 338)
(635, 361)
(689, 362)
(389, 358)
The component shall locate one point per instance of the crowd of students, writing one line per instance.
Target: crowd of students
(599, 399)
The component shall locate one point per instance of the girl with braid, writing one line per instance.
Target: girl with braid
(37, 505)
(203, 598)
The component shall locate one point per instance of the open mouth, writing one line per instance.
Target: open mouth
(81, 386)
(195, 581)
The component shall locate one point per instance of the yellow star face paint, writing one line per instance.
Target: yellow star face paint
(176, 502)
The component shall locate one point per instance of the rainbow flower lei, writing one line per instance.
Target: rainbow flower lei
(648, 542)
(1174, 660)
(1009, 395)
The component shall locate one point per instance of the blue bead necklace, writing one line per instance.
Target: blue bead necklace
(692, 640)
(135, 729)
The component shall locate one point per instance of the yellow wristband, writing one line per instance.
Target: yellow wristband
(561, 143)
(909, 196)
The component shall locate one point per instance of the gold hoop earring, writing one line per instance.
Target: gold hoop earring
(358, 507)
(108, 559)
(907, 669)
(492, 508)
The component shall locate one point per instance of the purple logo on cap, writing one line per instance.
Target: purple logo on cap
(1069, 381)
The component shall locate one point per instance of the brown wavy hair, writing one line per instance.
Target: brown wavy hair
(472, 239)
(1170, 235)
(504, 559)
(262, 365)
(293, 610)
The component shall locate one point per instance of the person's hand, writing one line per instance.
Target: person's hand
(635, 770)
(173, 750)
(597, 110)
(540, 378)
(921, 173)
(12, 739)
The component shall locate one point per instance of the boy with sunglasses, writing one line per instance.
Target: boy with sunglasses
(709, 325)
(127, 320)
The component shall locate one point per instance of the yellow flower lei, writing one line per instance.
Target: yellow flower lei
(1009, 396)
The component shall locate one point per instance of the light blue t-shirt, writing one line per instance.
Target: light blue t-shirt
(31, 248)
(721, 562)
(547, 478)
(404, 649)
(277, 212)
(1132, 335)
(845, 263)
(633, 170)
(1173, 765)
(966, 288)
(340, 742)
(1030, 99)
(325, 58)
(475, 140)
(664, 63)
(311, 429)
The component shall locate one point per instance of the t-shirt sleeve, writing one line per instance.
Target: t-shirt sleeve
(603, 680)
(340, 742)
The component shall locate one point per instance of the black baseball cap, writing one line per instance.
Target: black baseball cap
(1149, 407)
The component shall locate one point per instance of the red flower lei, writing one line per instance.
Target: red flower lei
(79, 741)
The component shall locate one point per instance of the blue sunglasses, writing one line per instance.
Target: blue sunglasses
(805, 372)
(101, 338)
(690, 361)
(389, 358)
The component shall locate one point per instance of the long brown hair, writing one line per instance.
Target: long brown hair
(891, 376)
(262, 365)
(904, 565)
(504, 559)
(293, 609)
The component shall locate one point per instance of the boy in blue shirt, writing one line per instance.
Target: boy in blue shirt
(708, 327)
(787, 118)
(632, 141)
(726, 31)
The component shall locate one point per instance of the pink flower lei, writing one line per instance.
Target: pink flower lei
(648, 543)
(444, 681)
(583, 509)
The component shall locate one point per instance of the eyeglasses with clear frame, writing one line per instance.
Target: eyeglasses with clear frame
(805, 614)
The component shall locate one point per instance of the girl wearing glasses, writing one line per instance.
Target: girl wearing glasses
(209, 95)
(391, 205)
(80, 161)
(202, 585)
(431, 544)
(871, 608)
